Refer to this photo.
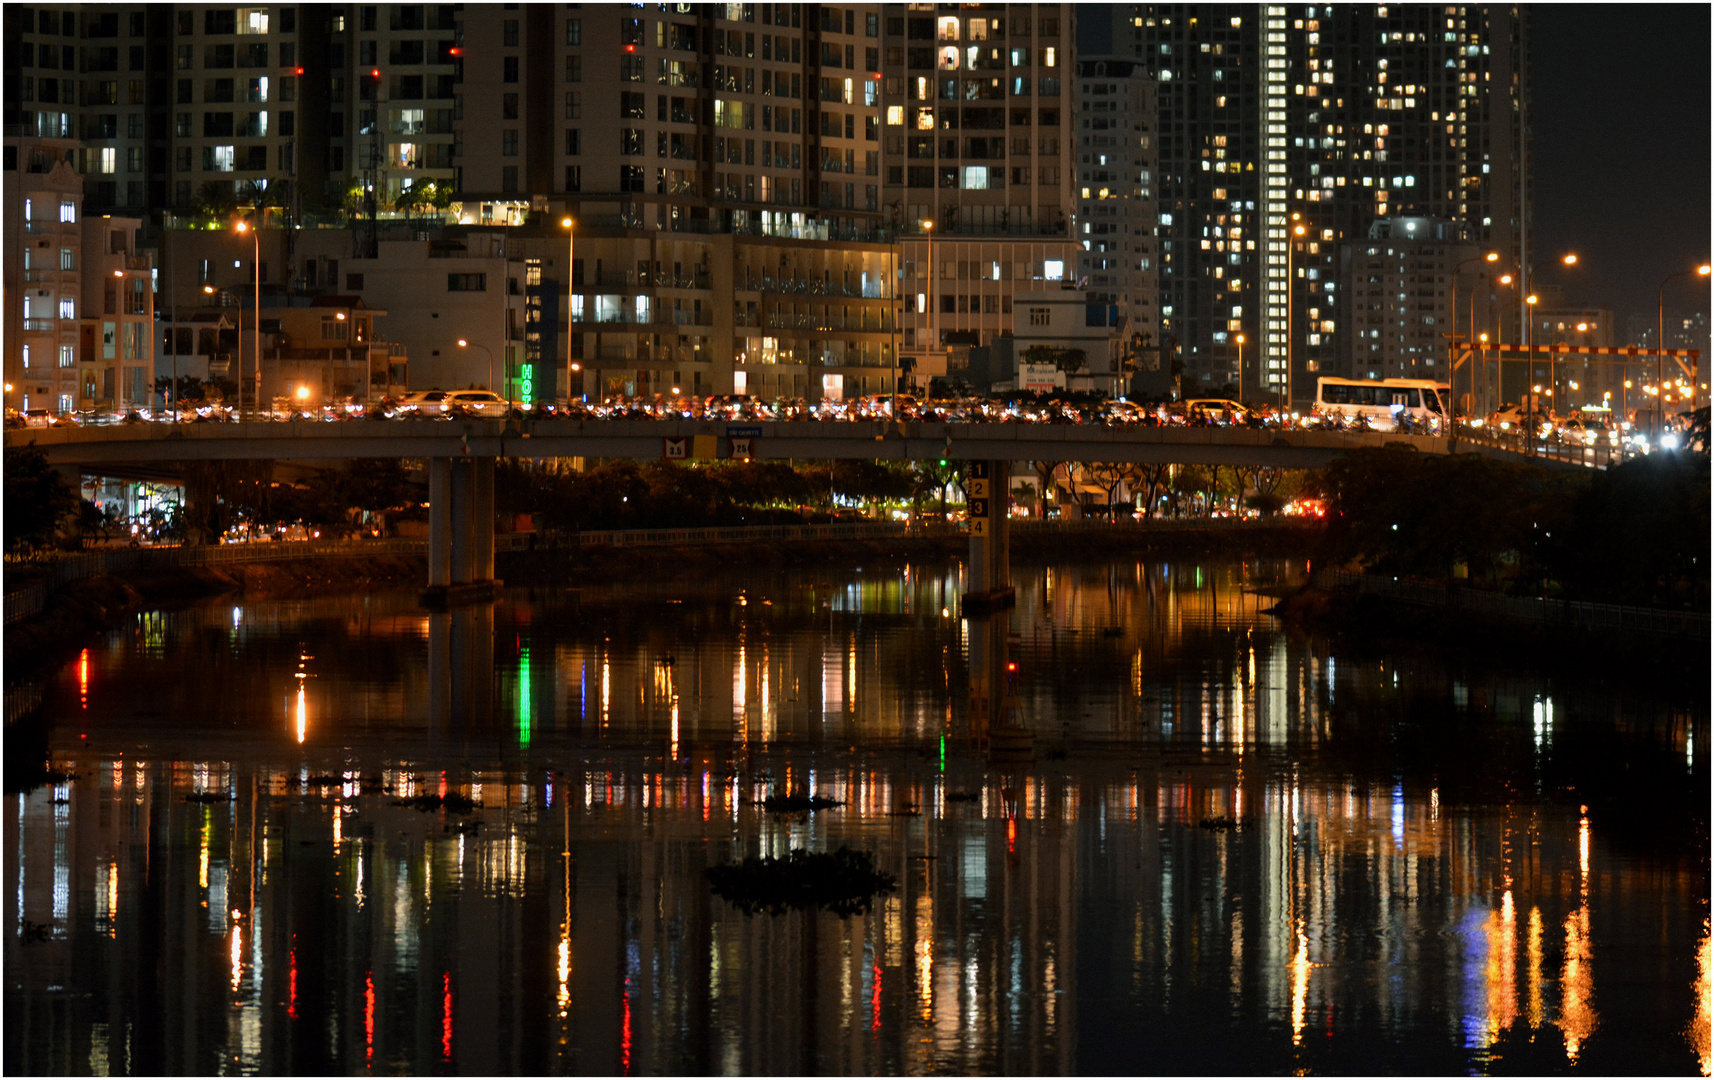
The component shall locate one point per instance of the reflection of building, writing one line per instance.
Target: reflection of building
(1224, 863)
(79, 306)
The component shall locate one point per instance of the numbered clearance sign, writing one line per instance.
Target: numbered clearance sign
(976, 489)
(676, 449)
(741, 448)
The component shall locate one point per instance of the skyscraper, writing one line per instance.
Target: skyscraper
(1288, 131)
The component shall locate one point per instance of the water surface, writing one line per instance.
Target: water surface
(1234, 849)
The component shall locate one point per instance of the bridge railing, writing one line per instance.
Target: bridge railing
(1585, 615)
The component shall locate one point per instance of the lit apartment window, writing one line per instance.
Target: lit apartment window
(68, 211)
(68, 356)
(68, 309)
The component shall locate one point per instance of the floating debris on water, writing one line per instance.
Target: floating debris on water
(789, 804)
(844, 882)
(452, 802)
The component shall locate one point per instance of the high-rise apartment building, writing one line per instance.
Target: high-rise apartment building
(1116, 211)
(1276, 119)
(978, 159)
(735, 175)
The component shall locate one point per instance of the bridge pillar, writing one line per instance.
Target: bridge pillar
(440, 523)
(987, 490)
(482, 546)
(461, 531)
(462, 520)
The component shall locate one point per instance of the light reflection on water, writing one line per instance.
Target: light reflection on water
(1234, 851)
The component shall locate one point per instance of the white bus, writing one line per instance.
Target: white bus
(1423, 401)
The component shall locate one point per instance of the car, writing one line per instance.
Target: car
(452, 403)
(1222, 411)
(1588, 430)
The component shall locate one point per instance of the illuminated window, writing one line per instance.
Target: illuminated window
(896, 115)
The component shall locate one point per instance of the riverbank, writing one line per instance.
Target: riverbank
(1371, 624)
(82, 609)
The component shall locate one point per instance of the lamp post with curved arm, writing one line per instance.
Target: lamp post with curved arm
(465, 344)
(1451, 375)
(1660, 350)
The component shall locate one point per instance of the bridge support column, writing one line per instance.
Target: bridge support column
(461, 531)
(440, 523)
(987, 489)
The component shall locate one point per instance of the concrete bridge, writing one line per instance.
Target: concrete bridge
(461, 454)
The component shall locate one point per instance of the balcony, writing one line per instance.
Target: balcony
(38, 326)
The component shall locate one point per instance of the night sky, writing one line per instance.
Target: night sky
(1621, 148)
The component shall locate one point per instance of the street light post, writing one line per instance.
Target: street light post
(1660, 349)
(1240, 369)
(256, 329)
(570, 228)
(464, 344)
(928, 228)
(1452, 373)
(1290, 316)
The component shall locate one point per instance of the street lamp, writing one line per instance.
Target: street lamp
(1240, 369)
(463, 344)
(256, 331)
(1451, 375)
(928, 228)
(1291, 251)
(1660, 343)
(570, 228)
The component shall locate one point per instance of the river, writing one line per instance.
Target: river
(1234, 848)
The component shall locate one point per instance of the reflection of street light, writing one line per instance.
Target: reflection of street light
(463, 344)
(570, 228)
(256, 332)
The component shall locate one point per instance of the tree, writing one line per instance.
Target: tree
(215, 201)
(219, 493)
(96, 522)
(37, 498)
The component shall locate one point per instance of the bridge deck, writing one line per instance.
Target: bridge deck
(136, 444)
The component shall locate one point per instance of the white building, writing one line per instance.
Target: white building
(79, 307)
(1061, 339)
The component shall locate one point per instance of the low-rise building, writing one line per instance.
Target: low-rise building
(78, 301)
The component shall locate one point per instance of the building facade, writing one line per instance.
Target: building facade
(79, 303)
(1325, 118)
(1116, 212)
